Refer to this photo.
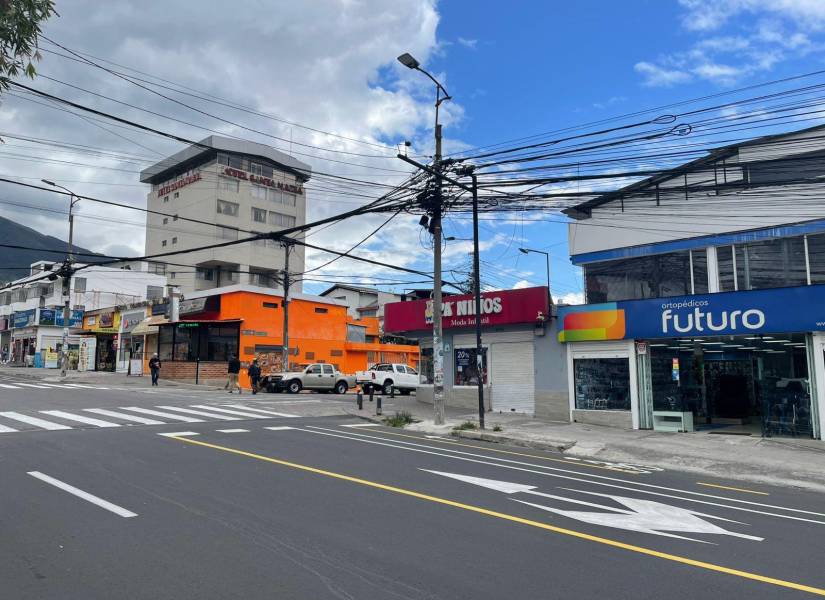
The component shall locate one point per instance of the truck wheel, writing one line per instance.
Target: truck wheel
(294, 386)
(387, 389)
(341, 387)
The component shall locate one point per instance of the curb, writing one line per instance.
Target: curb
(555, 446)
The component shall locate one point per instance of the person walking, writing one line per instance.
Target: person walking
(254, 372)
(233, 368)
(154, 367)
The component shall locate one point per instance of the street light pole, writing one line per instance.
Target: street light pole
(67, 278)
(547, 261)
(408, 61)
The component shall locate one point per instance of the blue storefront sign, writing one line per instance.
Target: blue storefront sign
(54, 316)
(780, 310)
(24, 318)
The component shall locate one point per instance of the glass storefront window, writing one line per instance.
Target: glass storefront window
(466, 366)
(425, 366)
(655, 276)
(816, 257)
(755, 385)
(699, 258)
(602, 383)
(727, 278)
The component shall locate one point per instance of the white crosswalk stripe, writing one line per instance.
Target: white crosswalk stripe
(124, 416)
(4, 429)
(79, 418)
(258, 410)
(201, 413)
(231, 412)
(87, 387)
(42, 423)
(157, 413)
(31, 385)
(9, 387)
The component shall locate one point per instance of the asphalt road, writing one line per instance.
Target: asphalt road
(313, 506)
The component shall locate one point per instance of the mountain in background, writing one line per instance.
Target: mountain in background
(15, 263)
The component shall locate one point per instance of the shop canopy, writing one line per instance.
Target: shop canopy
(149, 325)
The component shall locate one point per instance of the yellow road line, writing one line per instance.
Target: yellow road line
(735, 489)
(507, 517)
(373, 433)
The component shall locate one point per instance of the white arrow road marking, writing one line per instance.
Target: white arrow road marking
(644, 516)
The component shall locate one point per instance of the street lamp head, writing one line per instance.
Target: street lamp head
(409, 61)
(524, 250)
(47, 182)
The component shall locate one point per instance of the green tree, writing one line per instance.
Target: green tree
(20, 22)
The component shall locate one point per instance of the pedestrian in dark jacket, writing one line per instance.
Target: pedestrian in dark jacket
(233, 368)
(154, 368)
(254, 372)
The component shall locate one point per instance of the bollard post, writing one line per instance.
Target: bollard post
(392, 391)
(372, 391)
(360, 399)
(378, 410)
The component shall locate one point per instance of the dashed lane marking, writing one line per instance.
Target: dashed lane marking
(279, 428)
(363, 425)
(232, 430)
(520, 520)
(9, 387)
(178, 434)
(118, 510)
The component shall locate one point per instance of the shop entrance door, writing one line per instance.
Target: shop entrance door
(730, 394)
(513, 379)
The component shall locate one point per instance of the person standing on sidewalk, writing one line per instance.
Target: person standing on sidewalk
(254, 372)
(154, 367)
(233, 368)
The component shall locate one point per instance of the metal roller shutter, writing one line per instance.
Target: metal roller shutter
(513, 377)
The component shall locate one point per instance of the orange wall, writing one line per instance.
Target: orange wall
(319, 337)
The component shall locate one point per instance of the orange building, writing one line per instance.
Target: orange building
(248, 322)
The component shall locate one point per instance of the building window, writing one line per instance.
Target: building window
(263, 279)
(172, 275)
(466, 366)
(336, 353)
(258, 192)
(270, 305)
(288, 199)
(764, 264)
(80, 285)
(310, 356)
(228, 208)
(654, 276)
(176, 195)
(154, 292)
(163, 243)
(280, 220)
(321, 311)
(157, 268)
(204, 274)
(699, 260)
(602, 383)
(174, 240)
(198, 341)
(223, 159)
(255, 168)
(165, 199)
(356, 333)
(166, 221)
(175, 218)
(258, 215)
(236, 162)
(228, 233)
(425, 366)
(225, 184)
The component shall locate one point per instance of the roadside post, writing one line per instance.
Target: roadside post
(360, 399)
(378, 410)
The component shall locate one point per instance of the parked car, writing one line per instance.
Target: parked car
(386, 376)
(320, 377)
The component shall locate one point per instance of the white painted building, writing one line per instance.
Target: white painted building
(233, 187)
(31, 308)
(363, 301)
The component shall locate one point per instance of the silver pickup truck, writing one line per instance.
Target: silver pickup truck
(321, 377)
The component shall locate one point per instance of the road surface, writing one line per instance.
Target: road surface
(168, 493)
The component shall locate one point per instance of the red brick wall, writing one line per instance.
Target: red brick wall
(209, 373)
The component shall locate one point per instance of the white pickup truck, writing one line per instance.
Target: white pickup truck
(321, 377)
(386, 376)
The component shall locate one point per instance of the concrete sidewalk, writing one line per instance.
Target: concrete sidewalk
(93, 377)
(775, 461)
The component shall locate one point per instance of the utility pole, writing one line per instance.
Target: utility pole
(67, 279)
(435, 227)
(477, 294)
(285, 281)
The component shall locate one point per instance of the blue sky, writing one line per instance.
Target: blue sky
(529, 67)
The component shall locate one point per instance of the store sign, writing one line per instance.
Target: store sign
(178, 184)
(54, 317)
(195, 305)
(780, 310)
(131, 320)
(106, 320)
(505, 307)
(24, 318)
(286, 187)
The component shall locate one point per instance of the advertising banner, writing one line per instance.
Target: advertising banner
(504, 307)
(24, 318)
(86, 355)
(779, 310)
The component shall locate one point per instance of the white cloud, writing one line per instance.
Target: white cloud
(468, 43)
(521, 284)
(657, 76)
(571, 298)
(329, 64)
(708, 15)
